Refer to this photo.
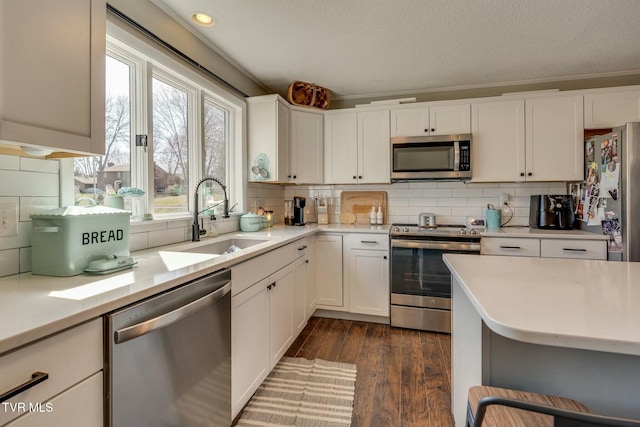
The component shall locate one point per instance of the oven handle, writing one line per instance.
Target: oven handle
(446, 246)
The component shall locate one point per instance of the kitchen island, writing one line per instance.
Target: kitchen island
(557, 326)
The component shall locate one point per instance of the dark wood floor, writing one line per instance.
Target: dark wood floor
(404, 376)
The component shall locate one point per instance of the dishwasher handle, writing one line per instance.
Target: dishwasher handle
(166, 319)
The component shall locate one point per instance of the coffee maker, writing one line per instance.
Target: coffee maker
(551, 212)
(298, 210)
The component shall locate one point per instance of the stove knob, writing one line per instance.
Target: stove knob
(473, 231)
(406, 229)
(396, 229)
(462, 231)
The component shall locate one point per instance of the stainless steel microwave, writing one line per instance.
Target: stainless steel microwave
(431, 157)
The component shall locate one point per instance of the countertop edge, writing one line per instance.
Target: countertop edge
(14, 342)
(543, 338)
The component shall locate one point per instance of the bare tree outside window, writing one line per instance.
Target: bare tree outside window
(170, 149)
(94, 176)
(215, 143)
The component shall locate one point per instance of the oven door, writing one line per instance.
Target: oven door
(417, 267)
(421, 283)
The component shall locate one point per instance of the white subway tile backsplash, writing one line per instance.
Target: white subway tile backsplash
(25, 260)
(166, 237)
(9, 162)
(39, 165)
(9, 262)
(35, 205)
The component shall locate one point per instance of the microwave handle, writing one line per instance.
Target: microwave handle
(456, 155)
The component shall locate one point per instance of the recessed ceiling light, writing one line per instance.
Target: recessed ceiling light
(203, 19)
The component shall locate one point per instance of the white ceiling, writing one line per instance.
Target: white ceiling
(359, 48)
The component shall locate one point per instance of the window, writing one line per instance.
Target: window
(166, 128)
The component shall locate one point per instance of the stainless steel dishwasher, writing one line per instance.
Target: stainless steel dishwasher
(169, 358)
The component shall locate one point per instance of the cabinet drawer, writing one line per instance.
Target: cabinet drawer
(510, 246)
(249, 272)
(68, 358)
(81, 405)
(569, 248)
(378, 242)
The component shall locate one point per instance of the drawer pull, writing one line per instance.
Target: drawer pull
(368, 242)
(509, 247)
(36, 378)
(302, 248)
(574, 249)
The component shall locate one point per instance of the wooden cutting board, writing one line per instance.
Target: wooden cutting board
(359, 204)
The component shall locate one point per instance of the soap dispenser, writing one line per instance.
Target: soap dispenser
(379, 215)
(372, 215)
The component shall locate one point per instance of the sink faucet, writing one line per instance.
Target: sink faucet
(195, 227)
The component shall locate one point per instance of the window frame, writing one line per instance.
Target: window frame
(145, 64)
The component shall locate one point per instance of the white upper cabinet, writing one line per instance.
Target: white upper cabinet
(554, 138)
(431, 120)
(340, 146)
(285, 143)
(269, 120)
(52, 67)
(374, 147)
(357, 147)
(498, 147)
(611, 107)
(537, 139)
(307, 149)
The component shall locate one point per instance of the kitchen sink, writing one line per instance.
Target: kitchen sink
(225, 246)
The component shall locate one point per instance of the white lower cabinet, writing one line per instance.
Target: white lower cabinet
(544, 248)
(281, 291)
(367, 273)
(73, 361)
(249, 343)
(81, 405)
(265, 306)
(329, 272)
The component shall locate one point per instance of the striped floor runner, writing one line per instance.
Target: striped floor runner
(303, 393)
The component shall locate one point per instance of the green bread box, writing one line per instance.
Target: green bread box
(65, 240)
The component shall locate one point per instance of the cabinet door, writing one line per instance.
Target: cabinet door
(498, 151)
(299, 300)
(410, 122)
(341, 147)
(281, 297)
(510, 246)
(52, 73)
(612, 108)
(450, 119)
(249, 343)
(310, 292)
(374, 147)
(368, 282)
(307, 148)
(268, 128)
(554, 138)
(329, 270)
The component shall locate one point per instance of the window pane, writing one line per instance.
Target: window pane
(170, 149)
(215, 143)
(97, 176)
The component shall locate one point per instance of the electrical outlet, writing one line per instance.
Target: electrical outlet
(8, 219)
(504, 199)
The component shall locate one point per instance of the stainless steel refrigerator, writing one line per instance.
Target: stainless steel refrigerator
(609, 197)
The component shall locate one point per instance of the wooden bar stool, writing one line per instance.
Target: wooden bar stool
(500, 407)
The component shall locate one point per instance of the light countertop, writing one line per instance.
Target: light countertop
(32, 306)
(591, 305)
(537, 233)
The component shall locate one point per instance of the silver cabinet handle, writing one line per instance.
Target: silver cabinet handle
(574, 249)
(166, 319)
(36, 378)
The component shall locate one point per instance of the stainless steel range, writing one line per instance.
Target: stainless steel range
(420, 281)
